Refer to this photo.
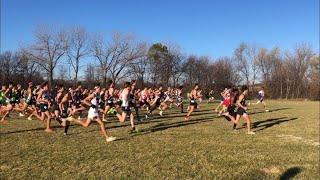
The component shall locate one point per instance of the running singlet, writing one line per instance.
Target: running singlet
(13, 97)
(2, 98)
(95, 102)
(126, 103)
(260, 95)
(240, 110)
(44, 105)
(77, 99)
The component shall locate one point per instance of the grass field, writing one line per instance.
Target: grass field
(286, 145)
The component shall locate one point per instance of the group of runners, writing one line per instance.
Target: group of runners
(67, 106)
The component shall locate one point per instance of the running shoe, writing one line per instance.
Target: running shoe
(70, 118)
(251, 133)
(111, 138)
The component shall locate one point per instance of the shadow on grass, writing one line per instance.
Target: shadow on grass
(35, 129)
(290, 173)
(272, 110)
(165, 126)
(152, 120)
(262, 125)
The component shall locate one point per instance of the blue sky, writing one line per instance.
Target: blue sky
(201, 27)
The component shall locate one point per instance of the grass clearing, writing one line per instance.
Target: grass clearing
(286, 144)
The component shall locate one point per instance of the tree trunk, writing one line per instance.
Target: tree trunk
(76, 78)
(50, 78)
(104, 79)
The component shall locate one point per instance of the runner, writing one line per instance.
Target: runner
(210, 96)
(44, 100)
(126, 103)
(241, 112)
(261, 99)
(93, 114)
(109, 100)
(193, 96)
(231, 113)
(179, 98)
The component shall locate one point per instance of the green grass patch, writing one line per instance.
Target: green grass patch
(286, 145)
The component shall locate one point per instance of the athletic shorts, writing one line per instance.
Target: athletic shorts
(232, 110)
(93, 113)
(77, 105)
(261, 100)
(158, 103)
(179, 100)
(241, 111)
(110, 102)
(119, 102)
(193, 103)
(102, 105)
(31, 102)
(126, 109)
(13, 103)
(44, 107)
(64, 114)
(144, 102)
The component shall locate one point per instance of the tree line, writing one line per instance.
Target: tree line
(74, 55)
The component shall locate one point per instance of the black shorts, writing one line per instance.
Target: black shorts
(144, 102)
(13, 103)
(193, 103)
(110, 103)
(241, 111)
(44, 107)
(158, 103)
(179, 100)
(31, 102)
(64, 114)
(232, 110)
(119, 102)
(77, 105)
(126, 109)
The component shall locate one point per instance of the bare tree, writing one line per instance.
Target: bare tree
(117, 55)
(48, 49)
(243, 65)
(62, 73)
(297, 64)
(139, 69)
(7, 66)
(314, 78)
(177, 60)
(252, 54)
(103, 53)
(78, 48)
(266, 62)
(127, 52)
